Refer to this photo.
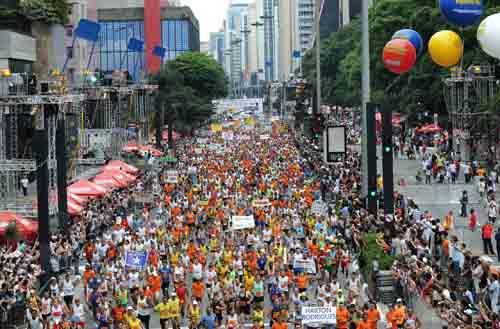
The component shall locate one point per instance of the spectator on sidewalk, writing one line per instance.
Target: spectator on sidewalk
(487, 235)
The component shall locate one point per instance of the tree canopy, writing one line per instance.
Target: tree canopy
(422, 86)
(202, 73)
(187, 86)
(48, 11)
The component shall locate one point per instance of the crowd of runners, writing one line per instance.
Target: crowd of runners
(246, 230)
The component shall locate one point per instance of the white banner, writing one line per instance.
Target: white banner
(319, 208)
(264, 137)
(172, 176)
(242, 222)
(319, 315)
(202, 140)
(261, 203)
(227, 135)
(198, 150)
(307, 265)
(245, 137)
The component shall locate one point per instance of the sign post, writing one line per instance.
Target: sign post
(334, 143)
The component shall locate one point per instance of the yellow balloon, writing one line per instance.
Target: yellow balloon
(446, 48)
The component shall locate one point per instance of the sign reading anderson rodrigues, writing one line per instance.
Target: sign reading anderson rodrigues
(319, 315)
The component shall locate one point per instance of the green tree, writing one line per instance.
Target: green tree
(421, 87)
(178, 104)
(202, 73)
(48, 11)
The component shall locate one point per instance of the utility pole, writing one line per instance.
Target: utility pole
(318, 56)
(257, 25)
(365, 91)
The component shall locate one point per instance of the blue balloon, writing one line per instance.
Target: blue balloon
(413, 37)
(462, 12)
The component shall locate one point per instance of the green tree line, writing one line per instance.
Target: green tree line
(187, 86)
(421, 87)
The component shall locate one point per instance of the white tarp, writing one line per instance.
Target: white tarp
(242, 222)
(319, 315)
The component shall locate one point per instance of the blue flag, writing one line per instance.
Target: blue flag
(159, 51)
(88, 30)
(136, 259)
(135, 45)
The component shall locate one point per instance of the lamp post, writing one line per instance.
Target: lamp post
(234, 43)
(228, 53)
(257, 25)
(271, 44)
(246, 32)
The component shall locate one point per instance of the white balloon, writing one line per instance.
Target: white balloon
(488, 35)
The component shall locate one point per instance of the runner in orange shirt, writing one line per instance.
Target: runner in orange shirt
(373, 316)
(343, 316)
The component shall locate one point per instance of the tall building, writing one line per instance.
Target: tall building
(178, 32)
(216, 46)
(204, 48)
(287, 39)
(236, 45)
(270, 19)
(305, 25)
(338, 13)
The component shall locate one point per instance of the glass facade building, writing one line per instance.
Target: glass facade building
(177, 36)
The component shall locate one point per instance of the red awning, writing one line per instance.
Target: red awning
(74, 209)
(130, 148)
(122, 176)
(27, 228)
(429, 129)
(164, 135)
(120, 165)
(151, 150)
(86, 188)
(108, 181)
(76, 199)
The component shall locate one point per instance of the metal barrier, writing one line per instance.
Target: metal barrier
(12, 317)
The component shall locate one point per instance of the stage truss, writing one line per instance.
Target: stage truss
(18, 109)
(466, 93)
(108, 112)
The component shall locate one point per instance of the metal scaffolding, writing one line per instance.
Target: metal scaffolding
(466, 93)
(24, 108)
(107, 115)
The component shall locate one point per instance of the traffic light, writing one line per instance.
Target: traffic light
(372, 193)
(387, 144)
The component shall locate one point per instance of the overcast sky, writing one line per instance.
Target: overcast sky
(210, 13)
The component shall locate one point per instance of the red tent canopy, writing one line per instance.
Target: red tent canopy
(154, 152)
(164, 135)
(74, 209)
(27, 228)
(122, 176)
(76, 199)
(86, 188)
(429, 129)
(108, 181)
(120, 165)
(130, 147)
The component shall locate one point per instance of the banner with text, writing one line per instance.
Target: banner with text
(242, 222)
(318, 315)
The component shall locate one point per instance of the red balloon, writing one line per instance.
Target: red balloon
(399, 56)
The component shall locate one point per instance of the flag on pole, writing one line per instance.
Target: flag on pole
(136, 259)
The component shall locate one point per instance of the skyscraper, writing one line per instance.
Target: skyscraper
(216, 46)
